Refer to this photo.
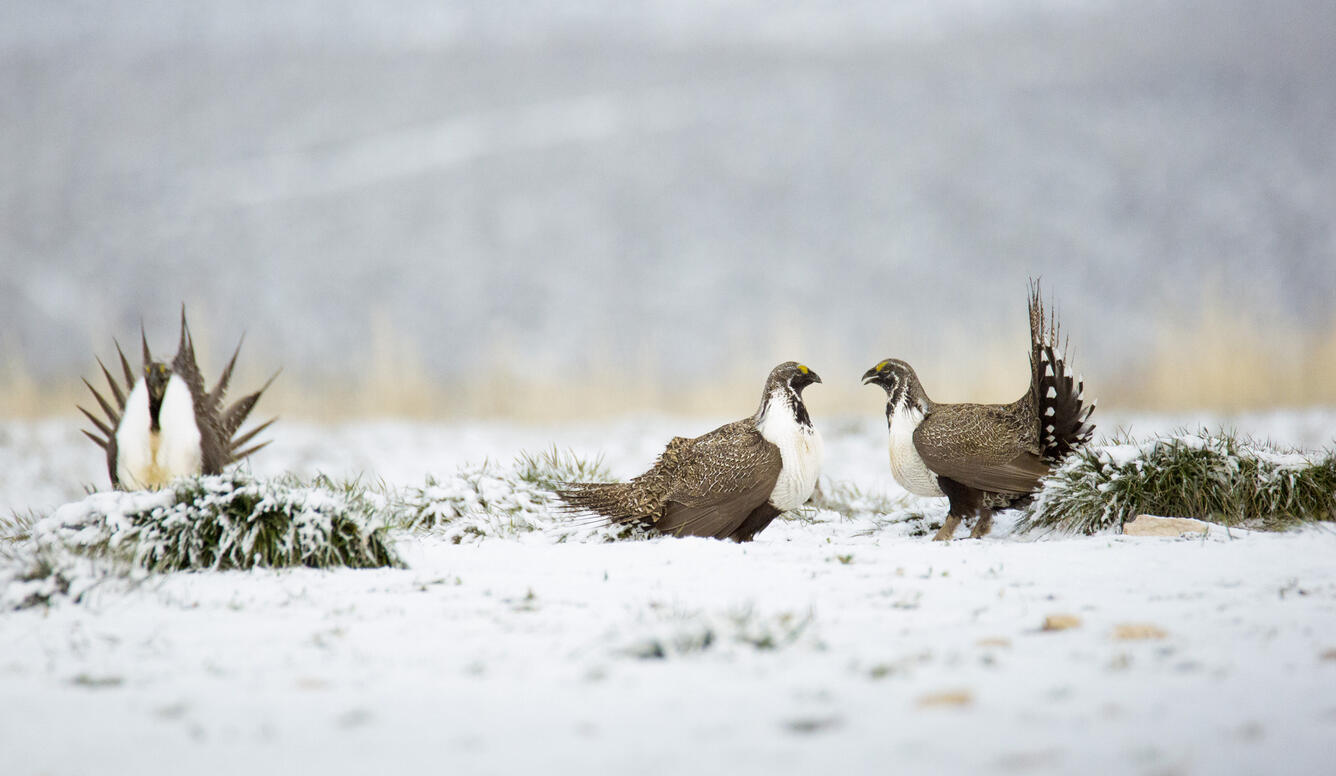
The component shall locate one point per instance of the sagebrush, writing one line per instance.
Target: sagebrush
(1217, 477)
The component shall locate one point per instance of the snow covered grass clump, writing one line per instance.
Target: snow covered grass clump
(878, 510)
(220, 522)
(230, 521)
(1216, 477)
(673, 633)
(490, 500)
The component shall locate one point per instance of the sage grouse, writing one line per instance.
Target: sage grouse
(984, 456)
(163, 424)
(729, 483)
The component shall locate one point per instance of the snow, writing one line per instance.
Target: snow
(830, 644)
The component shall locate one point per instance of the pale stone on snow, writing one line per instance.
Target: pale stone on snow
(1059, 622)
(948, 698)
(1150, 525)
(1138, 631)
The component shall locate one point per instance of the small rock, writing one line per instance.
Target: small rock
(354, 718)
(1150, 525)
(1061, 622)
(311, 683)
(1138, 632)
(953, 698)
(97, 682)
(813, 724)
(1329, 655)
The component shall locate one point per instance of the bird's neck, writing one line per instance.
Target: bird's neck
(908, 399)
(154, 412)
(783, 399)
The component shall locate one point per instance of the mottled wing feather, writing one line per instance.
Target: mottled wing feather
(706, 486)
(723, 477)
(987, 447)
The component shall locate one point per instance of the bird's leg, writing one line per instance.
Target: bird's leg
(964, 502)
(948, 529)
(983, 525)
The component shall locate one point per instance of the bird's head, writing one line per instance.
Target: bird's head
(892, 374)
(794, 375)
(156, 375)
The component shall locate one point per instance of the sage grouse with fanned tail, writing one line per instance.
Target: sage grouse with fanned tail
(162, 424)
(729, 483)
(984, 457)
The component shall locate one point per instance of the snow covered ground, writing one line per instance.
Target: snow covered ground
(830, 644)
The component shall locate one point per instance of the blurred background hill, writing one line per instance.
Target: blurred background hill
(567, 209)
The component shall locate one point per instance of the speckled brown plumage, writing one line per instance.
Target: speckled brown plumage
(715, 485)
(987, 456)
(219, 443)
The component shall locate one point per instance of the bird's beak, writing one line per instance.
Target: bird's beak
(870, 375)
(814, 377)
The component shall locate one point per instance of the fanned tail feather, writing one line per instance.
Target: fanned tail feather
(113, 409)
(216, 395)
(185, 366)
(1064, 418)
(610, 501)
(235, 415)
(125, 367)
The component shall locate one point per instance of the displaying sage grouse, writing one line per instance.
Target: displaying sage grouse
(984, 456)
(162, 424)
(729, 483)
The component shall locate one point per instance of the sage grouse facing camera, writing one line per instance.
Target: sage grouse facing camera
(729, 483)
(163, 424)
(984, 456)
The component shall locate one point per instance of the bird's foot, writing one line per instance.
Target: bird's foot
(948, 529)
(982, 526)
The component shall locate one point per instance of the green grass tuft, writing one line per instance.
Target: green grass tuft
(1219, 478)
(230, 521)
(552, 467)
(490, 500)
(849, 500)
(679, 634)
(16, 528)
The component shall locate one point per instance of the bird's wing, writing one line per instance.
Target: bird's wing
(720, 478)
(987, 447)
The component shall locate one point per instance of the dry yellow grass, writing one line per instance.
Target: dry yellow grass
(1061, 622)
(1139, 631)
(1216, 362)
(1226, 363)
(946, 699)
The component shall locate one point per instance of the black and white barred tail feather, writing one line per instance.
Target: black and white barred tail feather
(1064, 419)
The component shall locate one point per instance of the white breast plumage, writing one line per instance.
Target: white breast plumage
(150, 459)
(906, 464)
(800, 449)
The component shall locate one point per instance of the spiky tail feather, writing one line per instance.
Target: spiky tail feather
(1063, 417)
(606, 500)
(113, 413)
